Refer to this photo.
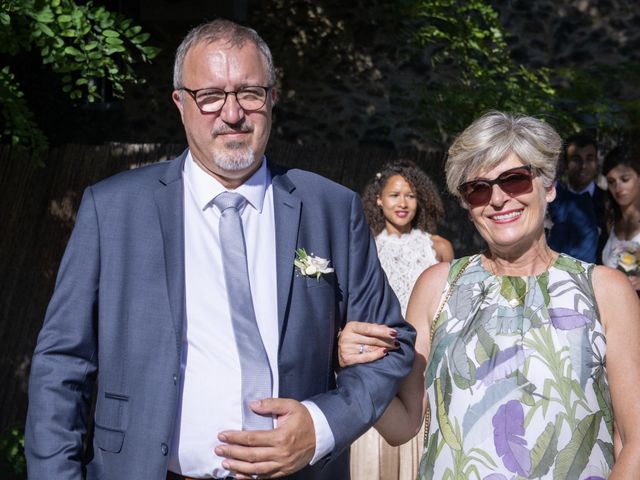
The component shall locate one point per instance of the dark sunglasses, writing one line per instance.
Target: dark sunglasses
(513, 182)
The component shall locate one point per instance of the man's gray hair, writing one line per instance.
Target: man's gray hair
(221, 30)
(491, 138)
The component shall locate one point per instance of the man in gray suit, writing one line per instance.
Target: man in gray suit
(144, 317)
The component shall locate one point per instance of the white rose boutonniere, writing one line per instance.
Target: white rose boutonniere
(310, 265)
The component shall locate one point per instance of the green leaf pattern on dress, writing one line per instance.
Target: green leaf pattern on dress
(536, 341)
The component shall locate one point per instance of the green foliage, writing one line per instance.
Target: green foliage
(82, 43)
(12, 461)
(604, 97)
(472, 67)
(19, 124)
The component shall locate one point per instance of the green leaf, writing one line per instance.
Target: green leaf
(544, 451)
(513, 288)
(574, 457)
(569, 265)
(110, 50)
(89, 46)
(427, 461)
(133, 31)
(543, 281)
(151, 52)
(457, 266)
(485, 346)
(603, 395)
(64, 18)
(113, 41)
(110, 33)
(607, 451)
(443, 419)
(44, 16)
(138, 39)
(72, 51)
(45, 29)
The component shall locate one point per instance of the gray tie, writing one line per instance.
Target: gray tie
(254, 363)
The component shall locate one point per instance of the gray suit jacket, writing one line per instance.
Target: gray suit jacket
(112, 332)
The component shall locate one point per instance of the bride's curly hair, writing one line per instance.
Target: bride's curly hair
(430, 209)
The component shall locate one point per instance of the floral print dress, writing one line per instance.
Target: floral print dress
(516, 378)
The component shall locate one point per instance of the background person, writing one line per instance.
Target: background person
(403, 209)
(149, 312)
(532, 351)
(577, 213)
(622, 171)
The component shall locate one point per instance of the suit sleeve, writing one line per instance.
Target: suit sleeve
(364, 391)
(65, 360)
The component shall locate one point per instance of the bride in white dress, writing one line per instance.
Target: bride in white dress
(622, 170)
(403, 208)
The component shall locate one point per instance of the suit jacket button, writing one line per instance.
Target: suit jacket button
(165, 449)
(175, 379)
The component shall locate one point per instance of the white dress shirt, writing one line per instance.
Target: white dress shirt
(211, 374)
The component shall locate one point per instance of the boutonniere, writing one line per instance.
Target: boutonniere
(310, 265)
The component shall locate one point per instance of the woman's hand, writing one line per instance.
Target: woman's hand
(362, 342)
(635, 282)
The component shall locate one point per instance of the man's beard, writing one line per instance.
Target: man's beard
(235, 156)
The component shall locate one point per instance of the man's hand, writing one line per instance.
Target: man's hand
(271, 453)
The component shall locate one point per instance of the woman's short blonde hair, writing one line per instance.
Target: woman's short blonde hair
(492, 137)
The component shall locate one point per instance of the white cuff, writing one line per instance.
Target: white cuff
(324, 436)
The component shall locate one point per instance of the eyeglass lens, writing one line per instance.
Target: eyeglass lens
(513, 182)
(249, 98)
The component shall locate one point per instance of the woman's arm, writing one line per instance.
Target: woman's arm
(443, 248)
(620, 315)
(403, 417)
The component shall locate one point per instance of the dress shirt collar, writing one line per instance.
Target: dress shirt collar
(206, 187)
(590, 189)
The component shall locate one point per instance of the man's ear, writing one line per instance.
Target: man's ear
(275, 95)
(177, 97)
(378, 201)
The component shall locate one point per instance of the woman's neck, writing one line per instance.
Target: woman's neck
(397, 232)
(629, 224)
(533, 260)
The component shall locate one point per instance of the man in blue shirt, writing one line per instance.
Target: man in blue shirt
(577, 214)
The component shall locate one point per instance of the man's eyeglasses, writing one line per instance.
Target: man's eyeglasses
(211, 100)
(513, 182)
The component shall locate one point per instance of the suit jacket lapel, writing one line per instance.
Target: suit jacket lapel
(170, 202)
(287, 210)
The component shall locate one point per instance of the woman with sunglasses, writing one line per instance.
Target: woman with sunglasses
(403, 208)
(516, 336)
(622, 170)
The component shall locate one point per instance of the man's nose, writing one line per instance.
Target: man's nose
(231, 112)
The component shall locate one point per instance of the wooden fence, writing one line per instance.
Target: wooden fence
(37, 212)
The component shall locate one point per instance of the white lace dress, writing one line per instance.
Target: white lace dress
(403, 259)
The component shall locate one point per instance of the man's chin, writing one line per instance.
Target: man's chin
(235, 160)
